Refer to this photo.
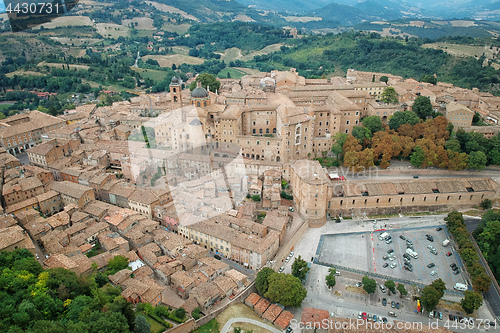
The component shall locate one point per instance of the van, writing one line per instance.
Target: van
(383, 236)
(412, 253)
(445, 242)
(460, 287)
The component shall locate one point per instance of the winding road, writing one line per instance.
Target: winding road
(230, 322)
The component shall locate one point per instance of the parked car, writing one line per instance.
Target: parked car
(216, 256)
(397, 305)
(390, 251)
(359, 284)
(408, 268)
(402, 237)
(391, 314)
(384, 320)
(382, 288)
(431, 265)
(375, 318)
(282, 268)
(456, 272)
(439, 229)
(440, 314)
(453, 265)
(385, 265)
(393, 304)
(360, 315)
(448, 254)
(384, 301)
(433, 273)
(289, 329)
(393, 265)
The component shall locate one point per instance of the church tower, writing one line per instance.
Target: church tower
(176, 90)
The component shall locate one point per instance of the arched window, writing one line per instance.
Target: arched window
(267, 130)
(198, 104)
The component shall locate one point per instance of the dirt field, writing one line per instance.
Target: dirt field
(177, 59)
(303, 19)
(240, 310)
(23, 73)
(235, 53)
(184, 50)
(181, 29)
(143, 23)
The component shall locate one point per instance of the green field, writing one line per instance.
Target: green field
(4, 107)
(153, 74)
(181, 29)
(210, 327)
(235, 53)
(178, 59)
(183, 50)
(464, 50)
(112, 30)
(235, 73)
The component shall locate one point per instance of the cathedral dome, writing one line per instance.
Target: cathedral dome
(199, 92)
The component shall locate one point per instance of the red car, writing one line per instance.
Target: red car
(448, 254)
(364, 315)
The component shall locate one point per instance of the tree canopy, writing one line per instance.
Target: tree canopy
(369, 285)
(299, 268)
(208, 81)
(471, 301)
(422, 107)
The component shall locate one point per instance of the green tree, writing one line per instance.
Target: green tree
(208, 81)
(285, 289)
(369, 285)
(428, 78)
(361, 133)
(390, 285)
(389, 96)
(179, 313)
(486, 204)
(373, 123)
(116, 264)
(477, 160)
(384, 78)
(142, 325)
(261, 281)
(422, 107)
(440, 286)
(338, 145)
(330, 278)
(403, 117)
(402, 290)
(196, 313)
(417, 157)
(256, 197)
(453, 145)
(299, 268)
(430, 298)
(471, 301)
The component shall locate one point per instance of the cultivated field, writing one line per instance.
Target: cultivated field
(303, 19)
(170, 9)
(23, 73)
(181, 29)
(112, 30)
(235, 53)
(58, 65)
(464, 50)
(76, 41)
(184, 50)
(66, 21)
(177, 59)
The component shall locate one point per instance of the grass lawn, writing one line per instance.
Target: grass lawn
(153, 74)
(155, 326)
(183, 50)
(210, 327)
(240, 310)
(4, 106)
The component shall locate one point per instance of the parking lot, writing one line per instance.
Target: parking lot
(364, 251)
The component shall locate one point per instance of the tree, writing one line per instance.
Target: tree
(403, 117)
(486, 204)
(389, 96)
(477, 160)
(196, 313)
(208, 81)
(285, 289)
(453, 145)
(390, 285)
(142, 325)
(429, 298)
(361, 133)
(330, 278)
(440, 286)
(417, 157)
(369, 285)
(116, 264)
(428, 78)
(299, 268)
(179, 313)
(402, 290)
(373, 123)
(338, 145)
(422, 107)
(471, 301)
(261, 281)
(256, 197)
(384, 78)
(476, 118)
(482, 282)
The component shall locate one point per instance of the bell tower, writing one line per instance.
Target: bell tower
(176, 90)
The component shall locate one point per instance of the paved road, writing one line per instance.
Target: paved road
(227, 326)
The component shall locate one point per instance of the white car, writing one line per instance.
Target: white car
(281, 269)
(393, 265)
(433, 273)
(287, 259)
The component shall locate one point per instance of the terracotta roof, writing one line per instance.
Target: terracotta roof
(59, 219)
(284, 319)
(272, 312)
(70, 189)
(261, 306)
(10, 236)
(252, 299)
(310, 315)
(60, 260)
